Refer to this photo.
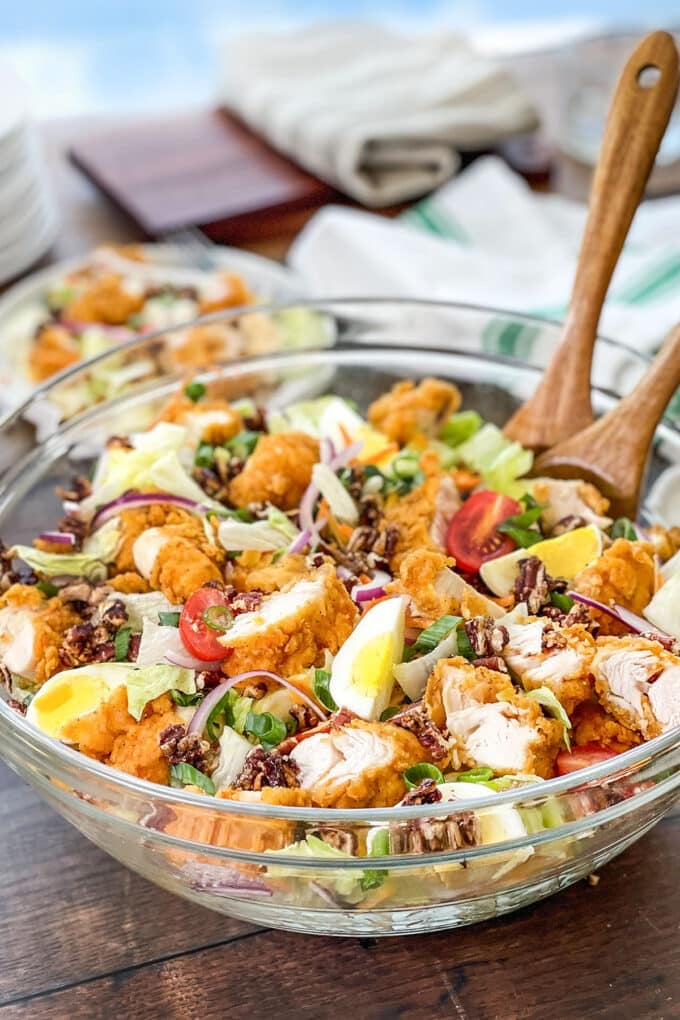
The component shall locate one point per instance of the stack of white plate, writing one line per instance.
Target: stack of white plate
(28, 220)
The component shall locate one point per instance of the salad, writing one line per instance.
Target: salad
(310, 607)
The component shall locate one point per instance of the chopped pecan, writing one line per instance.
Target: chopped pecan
(211, 483)
(486, 636)
(86, 643)
(179, 746)
(9, 576)
(74, 525)
(340, 839)
(81, 488)
(305, 718)
(427, 793)
(568, 523)
(496, 662)
(532, 585)
(428, 835)
(245, 601)
(86, 593)
(262, 769)
(415, 719)
(115, 615)
(552, 639)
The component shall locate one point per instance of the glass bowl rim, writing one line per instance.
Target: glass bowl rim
(68, 757)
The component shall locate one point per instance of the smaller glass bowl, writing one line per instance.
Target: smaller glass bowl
(448, 864)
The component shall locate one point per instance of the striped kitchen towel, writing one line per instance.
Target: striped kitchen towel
(486, 239)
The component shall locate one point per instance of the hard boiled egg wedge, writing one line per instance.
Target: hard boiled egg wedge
(664, 609)
(74, 693)
(564, 556)
(362, 675)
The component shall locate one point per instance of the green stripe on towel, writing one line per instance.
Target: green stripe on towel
(514, 339)
(652, 282)
(428, 215)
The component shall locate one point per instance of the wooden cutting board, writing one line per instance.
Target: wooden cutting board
(202, 169)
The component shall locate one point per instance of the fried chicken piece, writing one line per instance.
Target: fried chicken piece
(541, 656)
(206, 346)
(53, 350)
(233, 293)
(591, 724)
(292, 628)
(268, 576)
(408, 411)
(570, 498)
(491, 723)
(105, 299)
(358, 765)
(625, 573)
(113, 736)
(134, 522)
(419, 572)
(638, 682)
(412, 516)
(278, 471)
(210, 421)
(130, 583)
(666, 541)
(32, 629)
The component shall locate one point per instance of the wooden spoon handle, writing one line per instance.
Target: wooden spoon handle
(638, 116)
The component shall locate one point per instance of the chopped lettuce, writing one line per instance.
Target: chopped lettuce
(499, 461)
(303, 327)
(412, 676)
(143, 685)
(548, 700)
(343, 882)
(99, 549)
(234, 749)
(157, 640)
(323, 417)
(277, 519)
(142, 607)
(334, 492)
(237, 536)
(460, 427)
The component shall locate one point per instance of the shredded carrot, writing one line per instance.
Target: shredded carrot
(375, 458)
(345, 434)
(365, 606)
(465, 481)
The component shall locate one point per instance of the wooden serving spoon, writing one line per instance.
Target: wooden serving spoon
(612, 452)
(638, 116)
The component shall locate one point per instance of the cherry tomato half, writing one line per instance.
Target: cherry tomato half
(472, 537)
(581, 757)
(198, 637)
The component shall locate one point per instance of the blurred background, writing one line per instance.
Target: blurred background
(127, 56)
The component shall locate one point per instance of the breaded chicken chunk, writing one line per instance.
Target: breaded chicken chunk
(32, 628)
(538, 655)
(53, 350)
(489, 722)
(105, 299)
(134, 522)
(278, 471)
(408, 410)
(357, 765)
(113, 736)
(625, 573)
(234, 291)
(419, 571)
(413, 517)
(638, 682)
(591, 724)
(210, 421)
(570, 498)
(666, 541)
(292, 628)
(267, 575)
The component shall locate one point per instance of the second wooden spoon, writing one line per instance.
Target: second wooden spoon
(638, 116)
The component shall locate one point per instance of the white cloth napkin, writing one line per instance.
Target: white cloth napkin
(377, 114)
(486, 239)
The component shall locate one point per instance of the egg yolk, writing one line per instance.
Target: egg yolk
(372, 664)
(67, 699)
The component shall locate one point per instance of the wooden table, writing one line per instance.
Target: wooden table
(82, 937)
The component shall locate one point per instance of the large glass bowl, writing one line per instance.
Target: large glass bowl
(449, 864)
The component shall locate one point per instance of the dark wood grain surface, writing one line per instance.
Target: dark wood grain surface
(82, 937)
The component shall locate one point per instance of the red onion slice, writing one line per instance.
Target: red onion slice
(188, 661)
(132, 500)
(58, 538)
(594, 604)
(309, 498)
(326, 450)
(636, 623)
(373, 589)
(121, 333)
(302, 540)
(200, 718)
(343, 458)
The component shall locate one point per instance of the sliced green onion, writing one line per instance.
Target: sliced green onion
(562, 602)
(218, 618)
(405, 466)
(169, 619)
(373, 878)
(231, 710)
(460, 427)
(243, 444)
(415, 775)
(481, 774)
(623, 527)
(268, 728)
(194, 391)
(389, 713)
(121, 643)
(182, 699)
(433, 635)
(47, 589)
(205, 455)
(186, 775)
(322, 679)
(135, 321)
(464, 647)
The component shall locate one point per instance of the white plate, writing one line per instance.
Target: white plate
(270, 281)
